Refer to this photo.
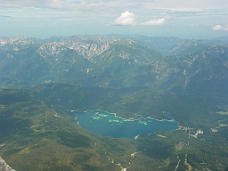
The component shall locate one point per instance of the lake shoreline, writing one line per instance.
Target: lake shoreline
(119, 127)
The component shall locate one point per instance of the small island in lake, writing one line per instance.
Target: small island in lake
(109, 124)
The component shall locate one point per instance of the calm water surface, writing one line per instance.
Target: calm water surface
(108, 124)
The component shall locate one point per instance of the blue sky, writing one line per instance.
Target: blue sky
(181, 18)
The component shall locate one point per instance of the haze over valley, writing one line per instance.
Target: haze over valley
(113, 85)
(50, 88)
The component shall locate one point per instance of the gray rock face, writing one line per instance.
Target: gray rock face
(4, 166)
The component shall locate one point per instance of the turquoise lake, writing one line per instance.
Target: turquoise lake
(108, 124)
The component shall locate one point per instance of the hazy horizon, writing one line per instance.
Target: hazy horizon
(42, 19)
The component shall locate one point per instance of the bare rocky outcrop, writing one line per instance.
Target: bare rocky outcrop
(4, 166)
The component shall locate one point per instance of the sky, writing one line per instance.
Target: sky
(178, 18)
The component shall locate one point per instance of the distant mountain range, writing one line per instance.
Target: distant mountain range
(44, 82)
(186, 66)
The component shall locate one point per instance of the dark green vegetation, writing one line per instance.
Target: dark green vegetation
(188, 66)
(187, 78)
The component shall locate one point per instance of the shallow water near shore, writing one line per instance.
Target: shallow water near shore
(108, 124)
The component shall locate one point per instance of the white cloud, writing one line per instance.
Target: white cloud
(32, 3)
(126, 19)
(129, 19)
(188, 6)
(154, 22)
(184, 9)
(126, 13)
(93, 5)
(219, 27)
(55, 4)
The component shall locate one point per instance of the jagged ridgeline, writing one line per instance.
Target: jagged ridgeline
(44, 82)
(192, 66)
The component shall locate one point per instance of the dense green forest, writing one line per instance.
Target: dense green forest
(43, 81)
